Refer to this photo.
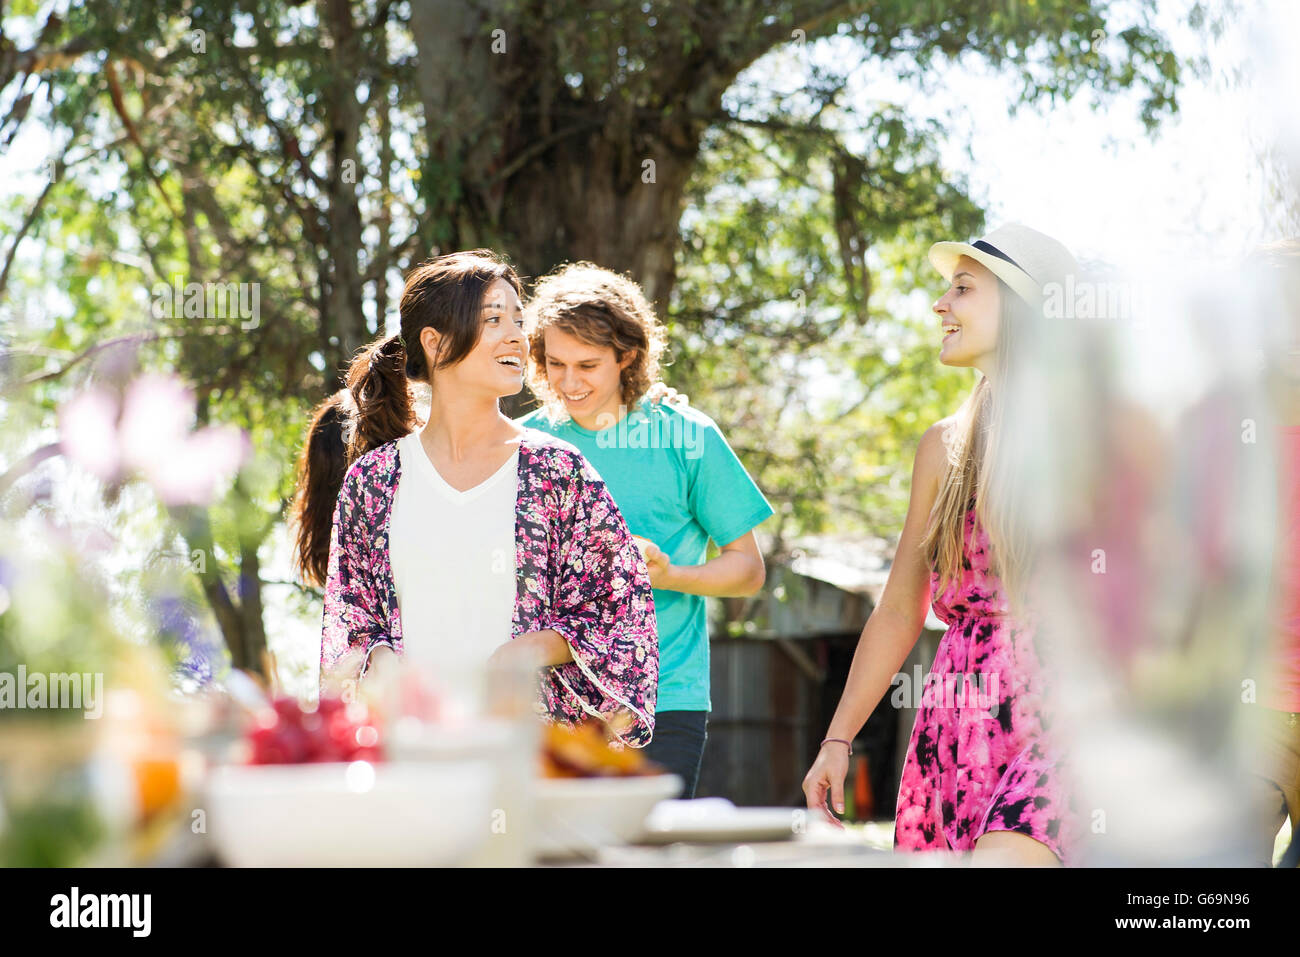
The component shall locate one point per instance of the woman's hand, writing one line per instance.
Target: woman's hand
(889, 634)
(656, 562)
(380, 687)
(533, 650)
(827, 774)
(515, 654)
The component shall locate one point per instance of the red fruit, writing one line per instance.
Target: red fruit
(335, 731)
(266, 747)
(296, 745)
(288, 709)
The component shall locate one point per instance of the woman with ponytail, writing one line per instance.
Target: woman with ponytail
(980, 776)
(470, 539)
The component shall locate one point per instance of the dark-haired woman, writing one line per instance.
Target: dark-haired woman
(473, 539)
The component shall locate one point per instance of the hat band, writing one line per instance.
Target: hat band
(992, 250)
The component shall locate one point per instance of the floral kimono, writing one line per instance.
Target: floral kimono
(578, 571)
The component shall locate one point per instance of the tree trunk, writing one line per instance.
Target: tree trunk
(252, 629)
(344, 321)
(549, 179)
(540, 185)
(596, 197)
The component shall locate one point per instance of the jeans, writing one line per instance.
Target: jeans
(678, 745)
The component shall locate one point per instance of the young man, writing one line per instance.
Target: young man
(595, 345)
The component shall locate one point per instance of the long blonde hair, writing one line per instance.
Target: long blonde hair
(983, 468)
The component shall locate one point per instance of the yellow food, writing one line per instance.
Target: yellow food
(584, 751)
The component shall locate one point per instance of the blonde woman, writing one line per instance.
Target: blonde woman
(977, 777)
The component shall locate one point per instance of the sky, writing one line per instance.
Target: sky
(1096, 181)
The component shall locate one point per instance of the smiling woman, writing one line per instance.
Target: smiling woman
(993, 784)
(472, 540)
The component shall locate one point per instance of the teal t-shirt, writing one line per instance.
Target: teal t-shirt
(679, 484)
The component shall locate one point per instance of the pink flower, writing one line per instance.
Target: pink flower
(156, 420)
(204, 464)
(149, 435)
(88, 433)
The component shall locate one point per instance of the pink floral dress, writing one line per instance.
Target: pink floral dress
(980, 757)
(578, 572)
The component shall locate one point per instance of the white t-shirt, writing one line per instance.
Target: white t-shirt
(453, 559)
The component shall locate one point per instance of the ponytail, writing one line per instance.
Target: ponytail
(385, 408)
(374, 409)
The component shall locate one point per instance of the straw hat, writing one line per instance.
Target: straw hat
(1023, 258)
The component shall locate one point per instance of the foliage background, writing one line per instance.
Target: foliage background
(712, 150)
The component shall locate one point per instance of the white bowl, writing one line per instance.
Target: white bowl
(510, 748)
(576, 816)
(349, 815)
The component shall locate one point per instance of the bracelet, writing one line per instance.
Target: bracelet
(847, 744)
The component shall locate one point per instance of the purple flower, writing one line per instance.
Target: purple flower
(197, 654)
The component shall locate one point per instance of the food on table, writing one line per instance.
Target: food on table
(584, 751)
(157, 783)
(334, 731)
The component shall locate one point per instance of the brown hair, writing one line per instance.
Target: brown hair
(601, 308)
(444, 294)
(321, 465)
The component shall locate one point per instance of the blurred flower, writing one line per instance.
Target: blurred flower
(198, 655)
(158, 414)
(87, 432)
(205, 463)
(150, 435)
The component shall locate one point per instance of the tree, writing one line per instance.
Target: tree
(285, 145)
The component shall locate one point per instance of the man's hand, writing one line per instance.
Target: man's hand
(659, 392)
(737, 572)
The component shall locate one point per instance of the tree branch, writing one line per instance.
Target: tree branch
(80, 357)
(27, 222)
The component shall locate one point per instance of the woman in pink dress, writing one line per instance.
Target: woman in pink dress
(982, 773)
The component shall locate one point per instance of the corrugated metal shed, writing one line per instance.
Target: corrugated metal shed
(779, 664)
